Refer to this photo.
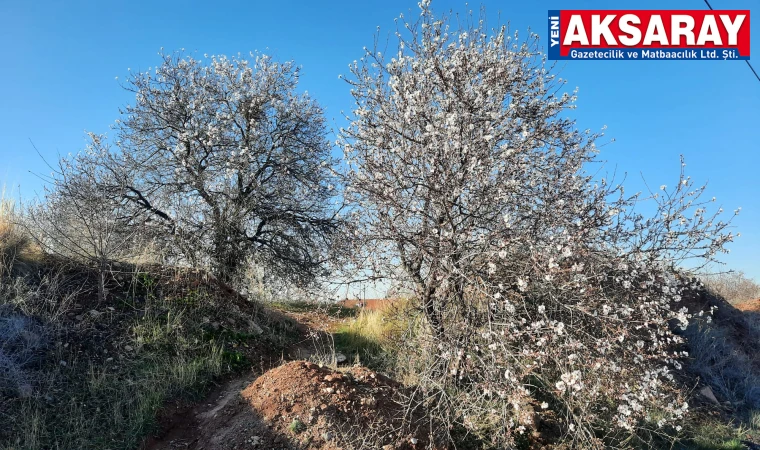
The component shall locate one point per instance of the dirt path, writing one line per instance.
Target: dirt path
(184, 427)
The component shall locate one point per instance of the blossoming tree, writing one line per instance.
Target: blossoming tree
(227, 161)
(543, 288)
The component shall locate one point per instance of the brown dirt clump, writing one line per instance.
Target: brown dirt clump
(302, 406)
(324, 408)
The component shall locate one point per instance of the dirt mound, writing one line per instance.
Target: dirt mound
(323, 408)
(302, 406)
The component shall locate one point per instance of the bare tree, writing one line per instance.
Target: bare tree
(81, 215)
(540, 282)
(227, 161)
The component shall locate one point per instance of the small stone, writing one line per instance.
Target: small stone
(255, 328)
(708, 394)
(340, 358)
(128, 348)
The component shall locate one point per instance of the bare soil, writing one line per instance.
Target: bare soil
(751, 305)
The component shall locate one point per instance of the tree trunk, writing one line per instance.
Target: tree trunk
(102, 281)
(433, 316)
(228, 258)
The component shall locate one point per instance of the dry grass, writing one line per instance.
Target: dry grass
(375, 338)
(371, 325)
(13, 240)
(105, 370)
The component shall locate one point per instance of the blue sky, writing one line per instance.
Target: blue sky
(60, 60)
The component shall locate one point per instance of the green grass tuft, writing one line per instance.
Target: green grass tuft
(297, 427)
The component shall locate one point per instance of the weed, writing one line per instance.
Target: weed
(235, 360)
(731, 444)
(356, 342)
(296, 426)
(145, 285)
